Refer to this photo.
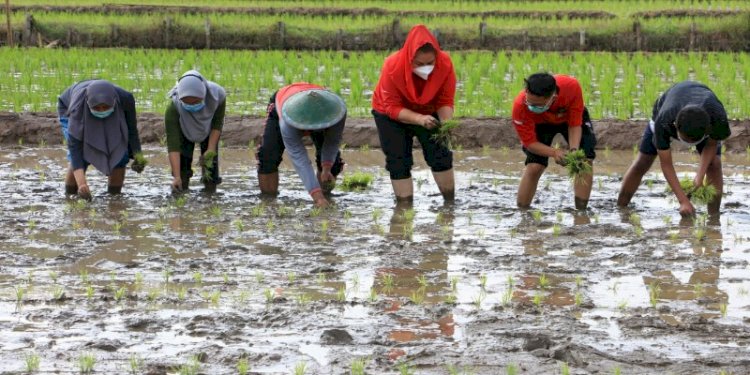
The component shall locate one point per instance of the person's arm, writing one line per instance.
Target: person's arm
(174, 143)
(395, 107)
(298, 153)
(131, 118)
(707, 156)
(445, 102)
(575, 117)
(75, 147)
(331, 142)
(217, 124)
(667, 168)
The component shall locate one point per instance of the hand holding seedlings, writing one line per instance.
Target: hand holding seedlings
(703, 194)
(577, 165)
(444, 134)
(427, 121)
(84, 192)
(207, 160)
(139, 163)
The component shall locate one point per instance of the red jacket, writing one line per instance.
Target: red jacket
(566, 109)
(399, 88)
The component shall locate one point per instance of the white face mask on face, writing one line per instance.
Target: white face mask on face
(689, 144)
(423, 71)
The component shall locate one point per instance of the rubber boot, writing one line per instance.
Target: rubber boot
(403, 189)
(446, 183)
(269, 183)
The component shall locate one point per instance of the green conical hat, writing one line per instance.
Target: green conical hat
(313, 110)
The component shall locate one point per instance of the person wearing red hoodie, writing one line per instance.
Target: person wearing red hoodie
(414, 95)
(547, 106)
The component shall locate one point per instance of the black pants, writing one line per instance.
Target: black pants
(545, 133)
(186, 162)
(397, 142)
(272, 146)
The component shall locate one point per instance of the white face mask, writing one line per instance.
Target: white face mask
(423, 71)
(689, 144)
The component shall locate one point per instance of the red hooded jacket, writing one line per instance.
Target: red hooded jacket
(400, 88)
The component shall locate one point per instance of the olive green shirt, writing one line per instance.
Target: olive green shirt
(175, 138)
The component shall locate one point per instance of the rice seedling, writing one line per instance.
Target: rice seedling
(578, 166)
(699, 234)
(451, 299)
(211, 231)
(579, 281)
(422, 281)
(556, 230)
(58, 292)
(507, 296)
(408, 230)
(291, 276)
(119, 294)
(86, 363)
(373, 297)
(454, 283)
(376, 214)
(180, 201)
(409, 214)
(698, 290)
(537, 301)
(478, 300)
(653, 293)
(167, 273)
(209, 157)
(315, 211)
(635, 219)
(564, 369)
(341, 294)
(324, 228)
(543, 281)
(259, 277)
(723, 309)
(482, 281)
(622, 305)
(596, 218)
(198, 278)
(404, 368)
(32, 362)
(135, 364)
(559, 216)
(269, 295)
(537, 216)
(138, 283)
(300, 368)
(153, 294)
(89, 292)
(358, 366)
(182, 292)
(270, 226)
(191, 367)
(511, 369)
(283, 211)
(215, 211)
(511, 283)
(444, 133)
(357, 181)
(243, 366)
(667, 219)
(303, 299)
(258, 210)
(578, 299)
(638, 231)
(158, 226)
(20, 293)
(674, 235)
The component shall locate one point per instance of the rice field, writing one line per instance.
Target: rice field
(616, 85)
(620, 8)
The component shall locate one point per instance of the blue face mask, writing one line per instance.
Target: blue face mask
(102, 114)
(540, 108)
(193, 107)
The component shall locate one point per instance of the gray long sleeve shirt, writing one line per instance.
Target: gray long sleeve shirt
(292, 138)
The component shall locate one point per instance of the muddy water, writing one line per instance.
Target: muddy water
(479, 286)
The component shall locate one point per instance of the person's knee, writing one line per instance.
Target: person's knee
(440, 162)
(399, 169)
(535, 170)
(268, 161)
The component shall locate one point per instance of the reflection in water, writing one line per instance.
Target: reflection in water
(702, 284)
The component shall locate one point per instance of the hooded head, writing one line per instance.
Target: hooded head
(420, 59)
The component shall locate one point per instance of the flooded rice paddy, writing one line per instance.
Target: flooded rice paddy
(215, 284)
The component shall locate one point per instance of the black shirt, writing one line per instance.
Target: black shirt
(677, 97)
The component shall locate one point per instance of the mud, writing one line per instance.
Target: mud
(36, 128)
(363, 280)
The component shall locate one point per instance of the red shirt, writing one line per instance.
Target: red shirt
(566, 109)
(399, 88)
(286, 92)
